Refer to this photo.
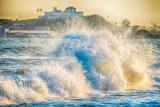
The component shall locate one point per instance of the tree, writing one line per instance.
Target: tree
(95, 21)
(39, 11)
(126, 23)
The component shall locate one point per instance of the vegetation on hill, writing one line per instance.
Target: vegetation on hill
(92, 21)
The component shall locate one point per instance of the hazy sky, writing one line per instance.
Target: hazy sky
(140, 12)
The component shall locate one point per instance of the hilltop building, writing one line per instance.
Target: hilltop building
(69, 12)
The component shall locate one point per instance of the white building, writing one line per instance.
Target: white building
(69, 12)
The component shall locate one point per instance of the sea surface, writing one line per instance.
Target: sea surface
(79, 69)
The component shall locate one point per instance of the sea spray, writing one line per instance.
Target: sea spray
(47, 81)
(126, 62)
(111, 63)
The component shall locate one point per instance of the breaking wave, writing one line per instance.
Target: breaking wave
(81, 63)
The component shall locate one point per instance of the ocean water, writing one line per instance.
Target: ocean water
(80, 69)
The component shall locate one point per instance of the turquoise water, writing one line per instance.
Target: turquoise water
(79, 69)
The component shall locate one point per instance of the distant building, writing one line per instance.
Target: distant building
(143, 27)
(3, 31)
(158, 33)
(69, 12)
(42, 28)
(135, 28)
(30, 33)
(154, 32)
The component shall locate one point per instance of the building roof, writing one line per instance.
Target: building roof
(70, 8)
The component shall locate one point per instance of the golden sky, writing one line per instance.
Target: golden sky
(140, 12)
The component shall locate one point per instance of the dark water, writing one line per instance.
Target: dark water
(78, 70)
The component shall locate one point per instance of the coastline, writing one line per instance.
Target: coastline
(20, 36)
(42, 36)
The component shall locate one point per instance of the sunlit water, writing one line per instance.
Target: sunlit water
(79, 69)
